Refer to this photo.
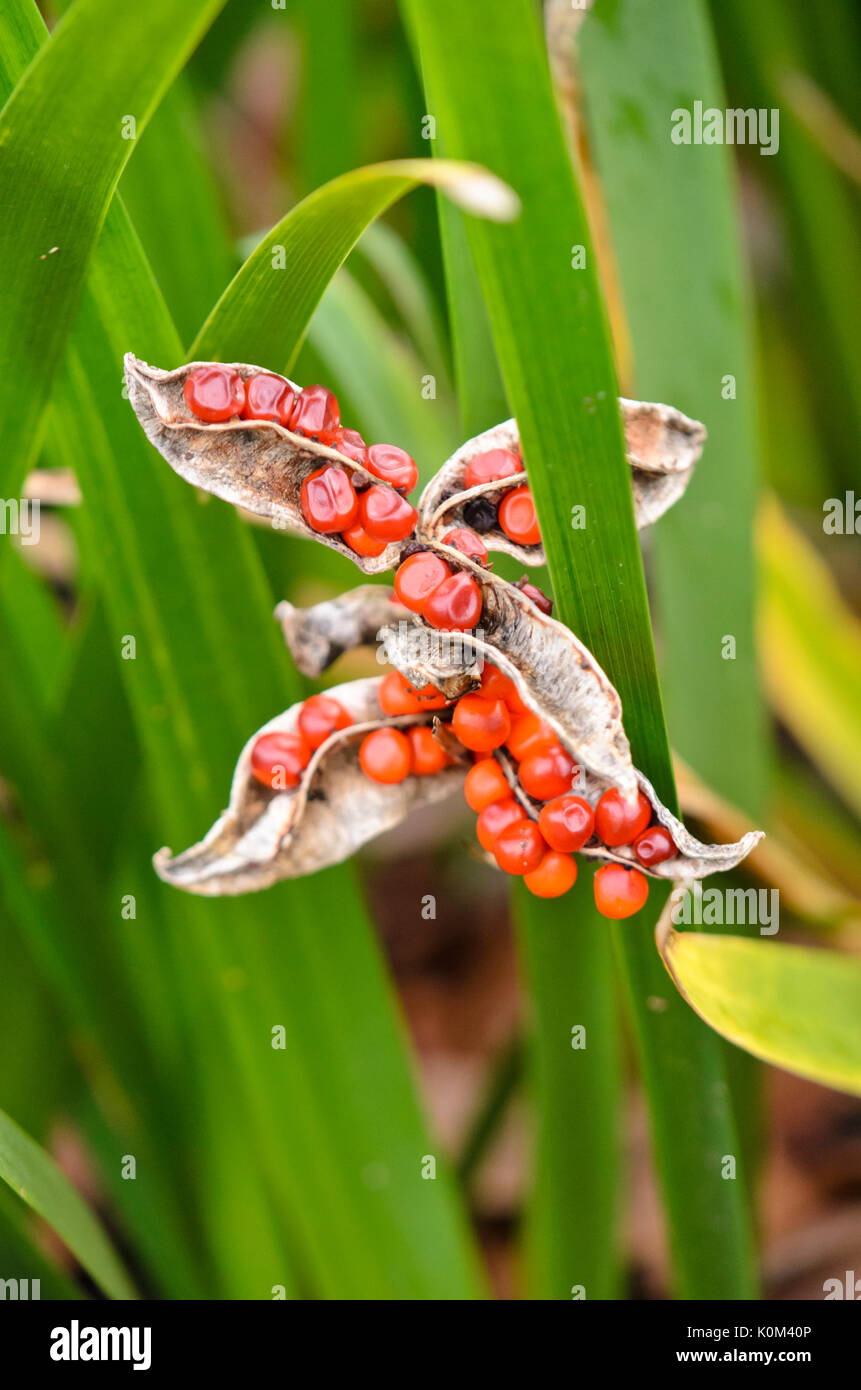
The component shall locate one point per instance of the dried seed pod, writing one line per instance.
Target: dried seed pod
(265, 836)
(317, 636)
(256, 464)
(662, 446)
(555, 675)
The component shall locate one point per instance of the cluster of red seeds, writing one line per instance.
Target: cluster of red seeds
(516, 512)
(541, 852)
(367, 518)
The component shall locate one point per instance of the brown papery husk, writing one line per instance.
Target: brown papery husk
(318, 635)
(265, 836)
(255, 464)
(662, 445)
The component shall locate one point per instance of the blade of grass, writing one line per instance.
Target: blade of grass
(811, 653)
(171, 198)
(61, 185)
(682, 242)
(207, 658)
(264, 313)
(492, 95)
(36, 1178)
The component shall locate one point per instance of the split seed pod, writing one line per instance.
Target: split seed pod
(256, 464)
(265, 836)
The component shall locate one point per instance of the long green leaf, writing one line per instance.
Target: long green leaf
(675, 238)
(264, 313)
(492, 94)
(333, 1113)
(36, 1178)
(794, 1007)
(65, 139)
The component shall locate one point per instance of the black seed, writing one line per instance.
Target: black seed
(411, 548)
(481, 514)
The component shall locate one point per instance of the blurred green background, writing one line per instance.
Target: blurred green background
(425, 1128)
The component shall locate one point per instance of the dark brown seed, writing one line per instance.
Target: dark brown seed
(480, 514)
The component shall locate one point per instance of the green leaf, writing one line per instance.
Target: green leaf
(810, 643)
(676, 240)
(171, 198)
(572, 1233)
(61, 183)
(263, 314)
(492, 98)
(794, 1007)
(36, 1178)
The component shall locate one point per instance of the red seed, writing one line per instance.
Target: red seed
(328, 500)
(456, 604)
(619, 892)
(547, 773)
(493, 820)
(529, 734)
(319, 717)
(520, 847)
(554, 876)
(315, 412)
(468, 543)
(393, 465)
(496, 686)
(386, 515)
(491, 466)
(397, 696)
(268, 397)
(480, 724)
(517, 517)
(618, 823)
(427, 756)
(532, 591)
(418, 577)
(655, 846)
(278, 759)
(214, 393)
(567, 823)
(485, 782)
(357, 538)
(349, 443)
(384, 756)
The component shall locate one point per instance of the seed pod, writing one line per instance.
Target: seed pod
(256, 464)
(317, 636)
(555, 675)
(662, 446)
(265, 836)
